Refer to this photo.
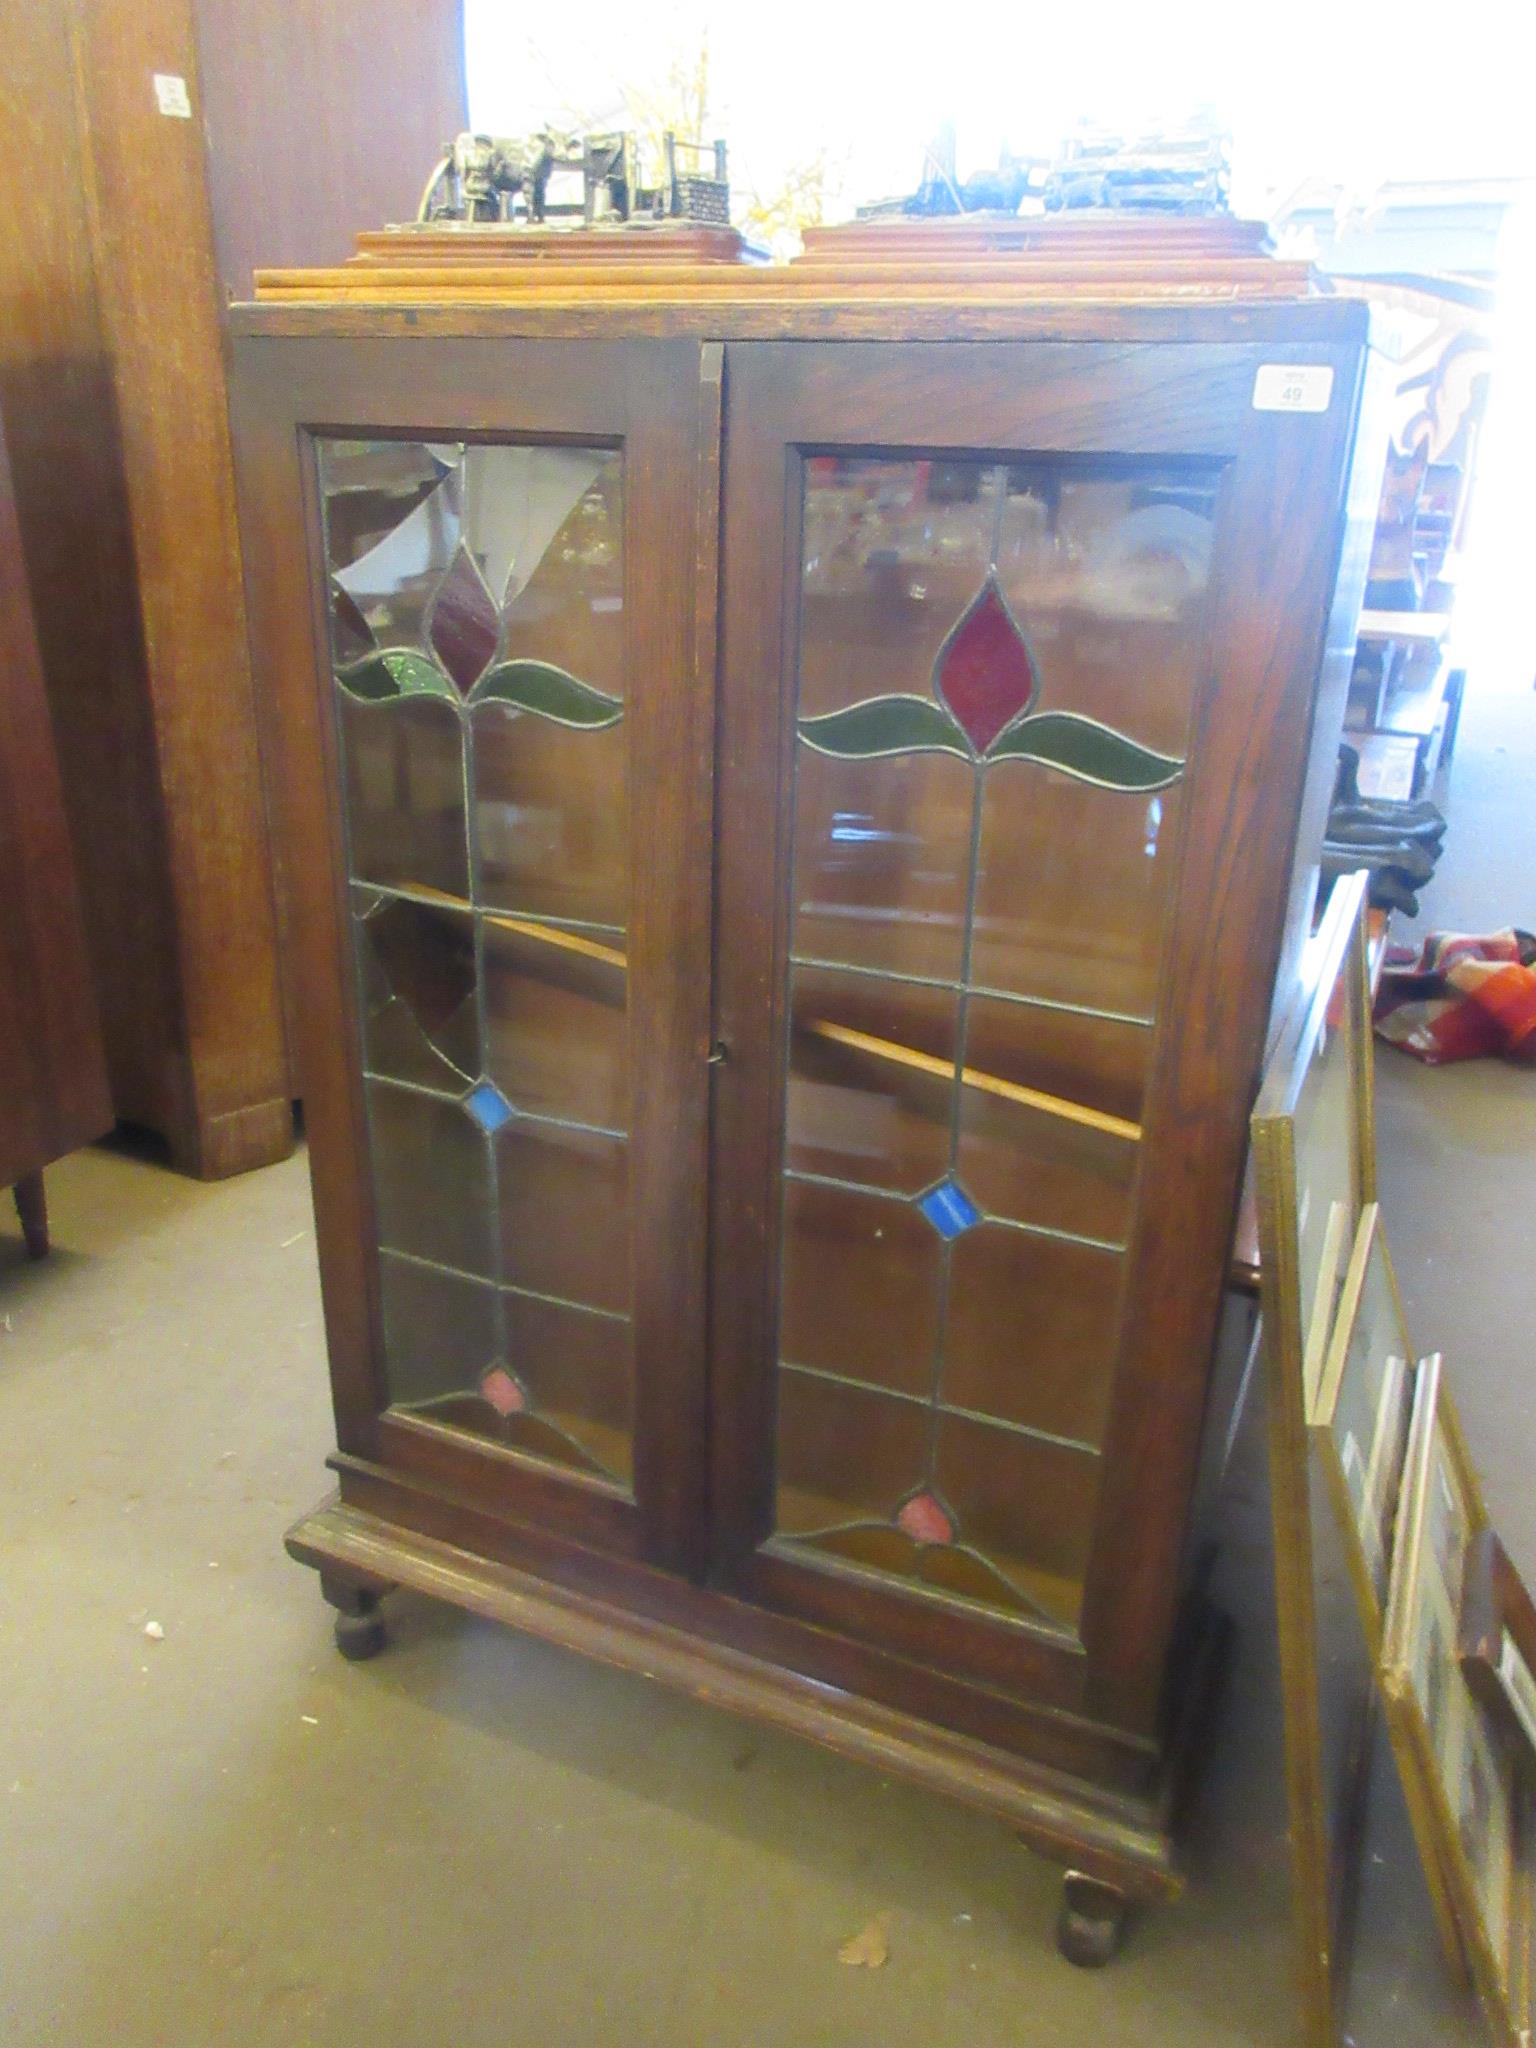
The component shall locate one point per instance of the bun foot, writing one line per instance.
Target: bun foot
(1092, 1921)
(360, 1631)
(360, 1636)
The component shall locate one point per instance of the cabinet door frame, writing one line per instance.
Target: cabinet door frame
(658, 401)
(1278, 537)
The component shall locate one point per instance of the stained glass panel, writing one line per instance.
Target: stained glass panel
(431, 1179)
(565, 1213)
(403, 763)
(1050, 924)
(395, 579)
(416, 972)
(871, 1079)
(846, 1454)
(476, 598)
(546, 525)
(557, 1039)
(882, 857)
(860, 1286)
(998, 672)
(894, 552)
(1049, 1127)
(463, 623)
(442, 1329)
(551, 817)
(1032, 1326)
(577, 1371)
(1026, 1505)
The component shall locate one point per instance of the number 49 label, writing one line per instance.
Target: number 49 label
(1292, 387)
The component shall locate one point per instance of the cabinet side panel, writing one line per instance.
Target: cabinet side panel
(322, 121)
(60, 406)
(1364, 494)
(1274, 577)
(151, 234)
(53, 1084)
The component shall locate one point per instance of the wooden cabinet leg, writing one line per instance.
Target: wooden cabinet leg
(32, 1208)
(360, 1631)
(1092, 1921)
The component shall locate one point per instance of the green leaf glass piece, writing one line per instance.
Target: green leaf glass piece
(547, 691)
(399, 672)
(1092, 752)
(886, 725)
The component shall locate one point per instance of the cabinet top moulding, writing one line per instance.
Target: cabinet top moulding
(1294, 323)
(1006, 280)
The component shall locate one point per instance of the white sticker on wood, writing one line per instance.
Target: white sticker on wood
(1292, 387)
(171, 95)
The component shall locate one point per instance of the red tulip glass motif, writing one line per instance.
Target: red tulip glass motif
(985, 676)
(464, 622)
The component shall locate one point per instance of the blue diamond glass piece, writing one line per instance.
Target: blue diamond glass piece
(488, 1106)
(949, 1208)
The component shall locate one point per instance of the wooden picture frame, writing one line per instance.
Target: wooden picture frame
(1360, 1422)
(1497, 1642)
(1471, 1804)
(1360, 1414)
(1306, 1163)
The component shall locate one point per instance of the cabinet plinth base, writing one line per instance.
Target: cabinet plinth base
(1117, 1845)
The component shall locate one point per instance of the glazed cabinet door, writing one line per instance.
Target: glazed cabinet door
(1019, 653)
(474, 580)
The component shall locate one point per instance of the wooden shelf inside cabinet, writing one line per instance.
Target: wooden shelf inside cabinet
(782, 1032)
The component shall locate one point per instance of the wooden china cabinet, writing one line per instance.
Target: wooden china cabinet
(795, 785)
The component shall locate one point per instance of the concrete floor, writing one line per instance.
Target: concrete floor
(230, 1836)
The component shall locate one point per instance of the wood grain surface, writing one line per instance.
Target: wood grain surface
(53, 1080)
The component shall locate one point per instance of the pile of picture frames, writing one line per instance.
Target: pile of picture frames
(1394, 1595)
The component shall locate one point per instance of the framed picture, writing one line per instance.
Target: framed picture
(1497, 1645)
(1313, 1172)
(1360, 1415)
(1468, 1796)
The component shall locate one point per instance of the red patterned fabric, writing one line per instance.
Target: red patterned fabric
(1461, 997)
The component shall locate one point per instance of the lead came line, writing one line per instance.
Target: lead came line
(975, 988)
(957, 1070)
(583, 1308)
(864, 1187)
(841, 1379)
(519, 1116)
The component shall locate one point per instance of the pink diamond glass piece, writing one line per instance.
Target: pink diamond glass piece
(924, 1520)
(985, 676)
(503, 1392)
(464, 622)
